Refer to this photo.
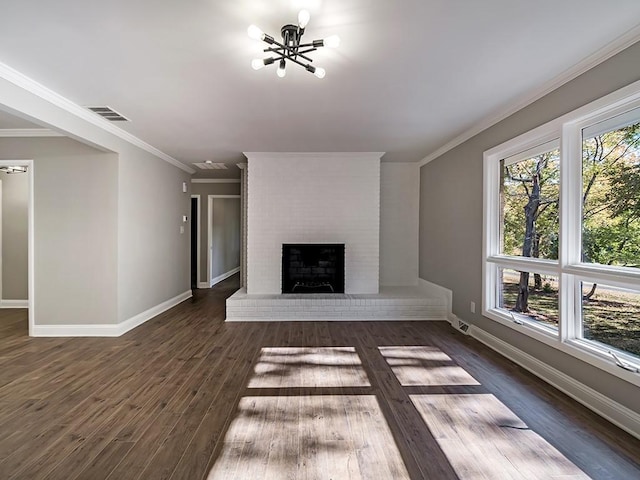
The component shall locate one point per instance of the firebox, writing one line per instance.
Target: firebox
(313, 268)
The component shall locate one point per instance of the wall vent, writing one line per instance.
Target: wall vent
(211, 166)
(109, 113)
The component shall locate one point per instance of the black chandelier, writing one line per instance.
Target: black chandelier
(291, 47)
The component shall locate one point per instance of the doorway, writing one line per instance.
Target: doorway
(223, 237)
(195, 241)
(16, 237)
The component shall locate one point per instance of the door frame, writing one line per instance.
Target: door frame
(197, 220)
(30, 238)
(210, 230)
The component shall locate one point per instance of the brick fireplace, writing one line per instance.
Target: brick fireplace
(313, 268)
(302, 198)
(313, 219)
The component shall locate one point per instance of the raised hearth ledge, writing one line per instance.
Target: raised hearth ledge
(392, 303)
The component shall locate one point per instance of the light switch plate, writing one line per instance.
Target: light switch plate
(184, 187)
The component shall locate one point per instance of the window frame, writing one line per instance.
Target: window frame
(569, 269)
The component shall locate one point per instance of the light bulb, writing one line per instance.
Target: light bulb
(281, 69)
(257, 63)
(254, 32)
(320, 73)
(303, 18)
(332, 42)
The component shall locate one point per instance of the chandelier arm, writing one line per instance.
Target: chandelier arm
(298, 62)
(289, 53)
(277, 50)
(275, 42)
(301, 54)
(314, 44)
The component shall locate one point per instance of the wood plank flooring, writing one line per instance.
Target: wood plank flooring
(187, 396)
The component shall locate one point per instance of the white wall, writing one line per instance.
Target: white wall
(153, 256)
(75, 202)
(15, 199)
(313, 198)
(399, 223)
(225, 236)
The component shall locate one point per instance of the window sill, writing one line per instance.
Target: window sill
(584, 350)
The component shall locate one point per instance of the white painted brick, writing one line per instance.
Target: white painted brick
(313, 200)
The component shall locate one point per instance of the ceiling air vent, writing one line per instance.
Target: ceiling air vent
(209, 165)
(109, 113)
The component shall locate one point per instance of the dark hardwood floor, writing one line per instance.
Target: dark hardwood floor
(186, 396)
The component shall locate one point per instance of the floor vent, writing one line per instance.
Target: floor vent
(460, 326)
(109, 113)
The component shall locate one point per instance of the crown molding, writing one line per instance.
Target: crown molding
(13, 76)
(29, 132)
(323, 155)
(215, 180)
(624, 41)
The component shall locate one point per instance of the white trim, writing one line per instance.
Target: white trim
(31, 246)
(209, 236)
(109, 330)
(198, 246)
(224, 276)
(215, 180)
(616, 413)
(313, 155)
(532, 152)
(1, 237)
(29, 132)
(22, 81)
(14, 303)
(212, 281)
(203, 285)
(31, 282)
(623, 41)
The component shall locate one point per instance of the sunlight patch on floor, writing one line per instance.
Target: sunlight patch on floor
(482, 438)
(425, 365)
(280, 367)
(312, 437)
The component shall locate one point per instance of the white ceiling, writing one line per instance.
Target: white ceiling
(408, 77)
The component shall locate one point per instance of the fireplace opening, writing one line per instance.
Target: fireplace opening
(313, 268)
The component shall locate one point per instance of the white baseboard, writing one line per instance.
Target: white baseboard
(14, 303)
(108, 330)
(203, 284)
(616, 413)
(224, 276)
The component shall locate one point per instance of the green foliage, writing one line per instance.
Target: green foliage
(610, 229)
(611, 201)
(517, 191)
(611, 198)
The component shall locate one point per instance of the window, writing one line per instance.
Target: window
(529, 195)
(611, 192)
(562, 233)
(531, 296)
